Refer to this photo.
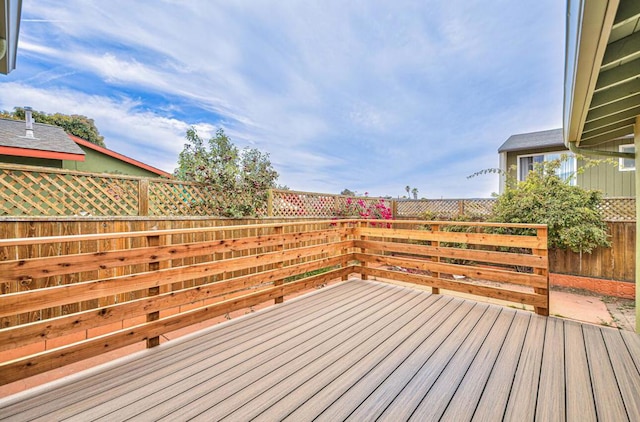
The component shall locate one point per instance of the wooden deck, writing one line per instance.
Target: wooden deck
(363, 350)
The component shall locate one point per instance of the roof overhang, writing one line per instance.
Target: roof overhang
(10, 11)
(602, 70)
(38, 153)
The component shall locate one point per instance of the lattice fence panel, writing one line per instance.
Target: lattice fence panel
(412, 209)
(287, 203)
(445, 208)
(478, 207)
(41, 192)
(302, 204)
(176, 198)
(618, 209)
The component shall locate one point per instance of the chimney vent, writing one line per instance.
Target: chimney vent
(28, 118)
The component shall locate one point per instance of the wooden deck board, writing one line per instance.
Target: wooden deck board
(170, 393)
(385, 379)
(435, 402)
(524, 391)
(551, 398)
(326, 390)
(493, 402)
(323, 369)
(186, 351)
(579, 394)
(625, 372)
(319, 353)
(402, 407)
(608, 401)
(470, 388)
(363, 351)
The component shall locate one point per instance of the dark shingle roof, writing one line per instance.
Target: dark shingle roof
(45, 137)
(533, 140)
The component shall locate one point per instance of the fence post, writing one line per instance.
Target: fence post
(143, 197)
(460, 207)
(363, 224)
(542, 233)
(394, 209)
(270, 203)
(435, 228)
(345, 251)
(278, 231)
(153, 291)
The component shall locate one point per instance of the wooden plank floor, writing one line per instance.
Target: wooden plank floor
(363, 350)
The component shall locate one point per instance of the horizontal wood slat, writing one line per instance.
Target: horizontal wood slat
(512, 277)
(67, 264)
(457, 286)
(30, 241)
(14, 303)
(41, 362)
(456, 237)
(534, 261)
(34, 332)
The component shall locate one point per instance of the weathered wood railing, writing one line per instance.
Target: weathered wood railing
(94, 293)
(463, 257)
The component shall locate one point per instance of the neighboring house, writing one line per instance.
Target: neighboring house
(521, 152)
(39, 145)
(50, 146)
(103, 160)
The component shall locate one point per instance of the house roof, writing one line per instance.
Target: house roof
(602, 70)
(119, 156)
(48, 141)
(534, 140)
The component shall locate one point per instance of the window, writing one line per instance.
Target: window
(567, 170)
(627, 164)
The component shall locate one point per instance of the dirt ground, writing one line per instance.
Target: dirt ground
(622, 312)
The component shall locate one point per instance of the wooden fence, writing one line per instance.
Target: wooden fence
(106, 290)
(614, 263)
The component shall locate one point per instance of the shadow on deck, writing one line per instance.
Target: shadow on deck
(362, 350)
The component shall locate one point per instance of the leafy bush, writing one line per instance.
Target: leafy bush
(239, 180)
(570, 212)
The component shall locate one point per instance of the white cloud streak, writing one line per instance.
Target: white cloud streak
(367, 95)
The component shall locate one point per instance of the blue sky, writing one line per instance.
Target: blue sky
(369, 95)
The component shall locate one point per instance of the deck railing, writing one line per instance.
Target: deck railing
(132, 287)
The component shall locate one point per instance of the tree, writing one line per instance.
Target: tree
(347, 192)
(75, 124)
(414, 192)
(570, 212)
(239, 180)
(408, 189)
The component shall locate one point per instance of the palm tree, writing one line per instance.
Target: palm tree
(414, 191)
(408, 189)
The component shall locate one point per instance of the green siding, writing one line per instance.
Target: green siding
(97, 162)
(29, 161)
(604, 177)
(608, 178)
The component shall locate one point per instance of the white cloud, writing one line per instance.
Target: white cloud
(367, 95)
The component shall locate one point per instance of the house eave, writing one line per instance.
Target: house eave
(602, 71)
(10, 12)
(589, 24)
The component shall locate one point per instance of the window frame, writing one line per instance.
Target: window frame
(566, 152)
(621, 166)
